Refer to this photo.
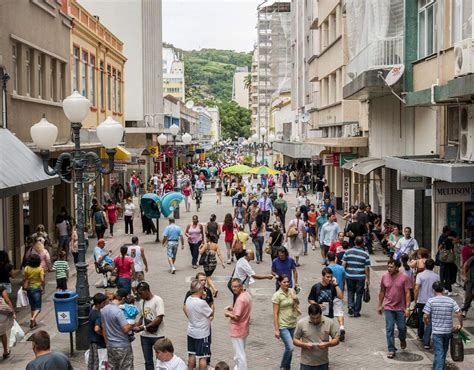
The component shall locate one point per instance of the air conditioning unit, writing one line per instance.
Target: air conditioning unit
(466, 133)
(355, 129)
(464, 57)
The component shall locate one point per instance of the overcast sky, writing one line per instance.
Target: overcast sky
(220, 24)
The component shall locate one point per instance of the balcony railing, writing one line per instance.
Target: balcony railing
(376, 55)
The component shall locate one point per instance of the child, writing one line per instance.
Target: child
(110, 293)
(62, 271)
(96, 338)
(131, 312)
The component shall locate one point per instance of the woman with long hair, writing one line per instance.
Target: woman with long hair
(259, 230)
(285, 316)
(124, 268)
(228, 229)
(187, 191)
(239, 212)
(195, 234)
(7, 315)
(211, 249)
(112, 215)
(218, 191)
(6, 271)
(275, 240)
(212, 228)
(39, 250)
(33, 282)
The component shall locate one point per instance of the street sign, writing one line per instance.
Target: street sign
(328, 159)
(447, 192)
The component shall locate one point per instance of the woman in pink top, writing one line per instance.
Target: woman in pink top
(195, 234)
(187, 190)
(43, 254)
(111, 212)
(124, 268)
(228, 228)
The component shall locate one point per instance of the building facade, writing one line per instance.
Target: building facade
(173, 75)
(240, 87)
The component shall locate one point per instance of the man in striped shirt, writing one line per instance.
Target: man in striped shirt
(357, 264)
(441, 310)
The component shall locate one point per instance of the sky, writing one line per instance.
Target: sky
(219, 24)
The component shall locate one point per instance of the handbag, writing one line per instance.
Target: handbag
(412, 320)
(446, 255)
(293, 231)
(366, 296)
(204, 258)
(457, 348)
(237, 246)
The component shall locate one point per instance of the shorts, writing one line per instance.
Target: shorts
(199, 347)
(312, 230)
(138, 276)
(61, 283)
(171, 249)
(338, 307)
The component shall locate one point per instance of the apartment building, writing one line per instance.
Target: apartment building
(240, 87)
(173, 75)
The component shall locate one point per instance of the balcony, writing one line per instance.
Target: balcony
(362, 71)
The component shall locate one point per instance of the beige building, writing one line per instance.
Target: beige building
(240, 89)
(38, 66)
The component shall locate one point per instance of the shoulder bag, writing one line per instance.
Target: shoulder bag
(446, 255)
(293, 231)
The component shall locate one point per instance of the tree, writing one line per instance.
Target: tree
(235, 120)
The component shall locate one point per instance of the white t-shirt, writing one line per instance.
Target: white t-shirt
(407, 246)
(62, 228)
(244, 272)
(155, 180)
(135, 252)
(199, 322)
(150, 310)
(129, 208)
(174, 364)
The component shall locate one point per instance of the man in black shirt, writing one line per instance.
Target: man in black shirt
(323, 293)
(95, 330)
(201, 276)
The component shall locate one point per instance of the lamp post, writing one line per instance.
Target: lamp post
(162, 140)
(110, 133)
(263, 132)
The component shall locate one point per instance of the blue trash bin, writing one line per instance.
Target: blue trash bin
(65, 309)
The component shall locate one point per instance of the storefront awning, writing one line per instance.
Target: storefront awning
(434, 167)
(121, 154)
(341, 142)
(301, 150)
(364, 165)
(21, 170)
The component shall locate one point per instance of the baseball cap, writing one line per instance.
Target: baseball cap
(101, 242)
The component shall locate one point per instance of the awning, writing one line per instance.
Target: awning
(297, 150)
(340, 142)
(364, 165)
(21, 170)
(121, 154)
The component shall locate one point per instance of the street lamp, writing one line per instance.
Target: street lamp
(263, 132)
(110, 133)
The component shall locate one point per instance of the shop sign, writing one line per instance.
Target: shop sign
(336, 159)
(141, 161)
(120, 167)
(409, 181)
(346, 193)
(446, 192)
(328, 159)
(347, 157)
(315, 158)
(153, 150)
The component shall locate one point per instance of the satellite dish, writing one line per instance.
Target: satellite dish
(395, 74)
(190, 104)
(305, 117)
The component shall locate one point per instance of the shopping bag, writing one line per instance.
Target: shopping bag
(412, 320)
(103, 360)
(86, 356)
(22, 298)
(457, 348)
(366, 295)
(16, 334)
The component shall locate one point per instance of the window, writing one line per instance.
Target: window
(84, 80)
(461, 20)
(427, 27)
(101, 92)
(119, 92)
(75, 69)
(453, 124)
(62, 81)
(109, 87)
(114, 90)
(40, 75)
(52, 79)
(28, 72)
(15, 68)
(92, 80)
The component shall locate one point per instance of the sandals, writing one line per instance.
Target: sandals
(391, 355)
(215, 293)
(6, 355)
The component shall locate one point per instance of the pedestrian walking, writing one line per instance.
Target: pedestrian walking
(258, 232)
(124, 268)
(285, 315)
(6, 271)
(151, 314)
(394, 303)
(338, 303)
(165, 357)
(312, 216)
(199, 327)
(239, 213)
(281, 205)
(112, 215)
(239, 323)
(328, 234)
(284, 265)
(218, 191)
(266, 207)
(212, 228)
(171, 237)
(209, 252)
(406, 244)
(119, 348)
(33, 282)
(446, 258)
(45, 358)
(7, 315)
(207, 294)
(356, 262)
(187, 191)
(140, 263)
(99, 222)
(295, 235)
(244, 272)
(275, 241)
(424, 291)
(63, 228)
(228, 228)
(324, 293)
(252, 211)
(240, 241)
(315, 334)
(96, 330)
(61, 268)
(74, 244)
(439, 309)
(195, 234)
(128, 215)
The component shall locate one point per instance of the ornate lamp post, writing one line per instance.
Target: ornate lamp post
(110, 133)
(162, 140)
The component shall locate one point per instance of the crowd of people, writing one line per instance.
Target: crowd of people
(261, 226)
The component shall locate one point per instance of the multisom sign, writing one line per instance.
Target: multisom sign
(445, 192)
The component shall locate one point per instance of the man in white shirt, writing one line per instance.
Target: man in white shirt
(244, 271)
(199, 326)
(165, 357)
(155, 182)
(406, 244)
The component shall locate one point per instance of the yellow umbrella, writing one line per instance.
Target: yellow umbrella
(263, 170)
(237, 169)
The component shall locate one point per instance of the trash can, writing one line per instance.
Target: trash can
(65, 308)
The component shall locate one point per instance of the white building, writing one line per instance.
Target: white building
(173, 74)
(240, 92)
(204, 123)
(215, 123)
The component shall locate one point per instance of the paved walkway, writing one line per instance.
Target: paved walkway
(364, 348)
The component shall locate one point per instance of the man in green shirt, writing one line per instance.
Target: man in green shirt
(282, 207)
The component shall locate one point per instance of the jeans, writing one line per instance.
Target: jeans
(355, 287)
(258, 242)
(286, 335)
(240, 358)
(63, 242)
(124, 283)
(392, 318)
(194, 247)
(447, 274)
(128, 223)
(111, 229)
(148, 352)
(423, 332)
(468, 287)
(440, 346)
(285, 187)
(34, 297)
(319, 367)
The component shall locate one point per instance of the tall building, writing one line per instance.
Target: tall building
(240, 87)
(215, 123)
(173, 75)
(204, 124)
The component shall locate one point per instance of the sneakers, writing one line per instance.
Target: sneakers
(452, 294)
(173, 269)
(356, 314)
(342, 335)
(464, 314)
(427, 347)
(313, 248)
(350, 311)
(403, 344)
